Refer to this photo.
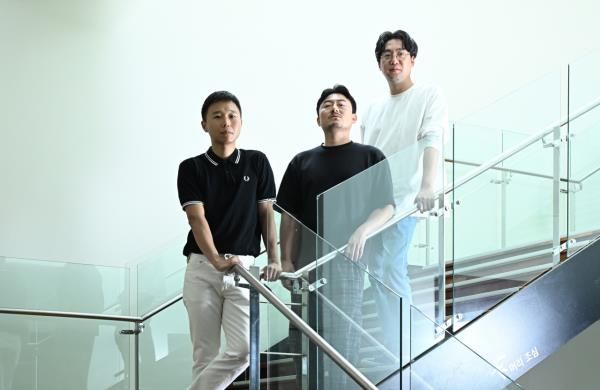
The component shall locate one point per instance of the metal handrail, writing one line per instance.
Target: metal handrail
(589, 175)
(510, 170)
(70, 314)
(162, 307)
(319, 341)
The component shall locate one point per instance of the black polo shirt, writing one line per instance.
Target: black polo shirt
(230, 191)
(314, 171)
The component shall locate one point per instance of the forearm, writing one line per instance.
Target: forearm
(431, 158)
(269, 235)
(376, 219)
(203, 237)
(288, 240)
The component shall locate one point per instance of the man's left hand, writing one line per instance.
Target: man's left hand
(272, 271)
(356, 245)
(425, 200)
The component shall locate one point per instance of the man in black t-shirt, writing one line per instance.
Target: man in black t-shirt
(227, 195)
(353, 214)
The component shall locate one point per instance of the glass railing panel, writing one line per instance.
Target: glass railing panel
(337, 302)
(344, 310)
(407, 256)
(503, 124)
(584, 87)
(63, 353)
(584, 82)
(159, 276)
(584, 139)
(440, 361)
(61, 286)
(584, 180)
(476, 144)
(504, 230)
(283, 351)
(165, 350)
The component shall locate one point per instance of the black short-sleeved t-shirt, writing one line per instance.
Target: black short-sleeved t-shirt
(314, 171)
(230, 191)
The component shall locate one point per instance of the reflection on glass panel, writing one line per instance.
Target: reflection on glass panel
(476, 144)
(62, 353)
(584, 175)
(281, 365)
(335, 296)
(504, 226)
(448, 364)
(160, 277)
(584, 82)
(528, 110)
(401, 260)
(50, 285)
(166, 350)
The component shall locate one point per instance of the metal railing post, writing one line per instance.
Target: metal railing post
(254, 333)
(556, 150)
(441, 264)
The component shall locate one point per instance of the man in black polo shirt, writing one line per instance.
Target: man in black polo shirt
(354, 215)
(227, 194)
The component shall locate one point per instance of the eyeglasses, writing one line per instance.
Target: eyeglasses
(401, 54)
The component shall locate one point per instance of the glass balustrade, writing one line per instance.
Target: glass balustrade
(51, 353)
(165, 350)
(501, 125)
(584, 84)
(334, 294)
(505, 230)
(159, 277)
(62, 286)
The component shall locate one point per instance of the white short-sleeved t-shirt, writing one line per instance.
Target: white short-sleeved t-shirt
(402, 126)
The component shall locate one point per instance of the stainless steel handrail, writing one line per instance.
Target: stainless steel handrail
(162, 307)
(589, 175)
(69, 314)
(510, 170)
(319, 341)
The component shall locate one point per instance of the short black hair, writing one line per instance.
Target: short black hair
(337, 88)
(409, 44)
(219, 96)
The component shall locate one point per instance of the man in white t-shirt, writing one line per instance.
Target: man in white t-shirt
(408, 126)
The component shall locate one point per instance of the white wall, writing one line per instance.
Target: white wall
(100, 100)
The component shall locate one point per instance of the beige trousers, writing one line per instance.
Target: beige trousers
(213, 302)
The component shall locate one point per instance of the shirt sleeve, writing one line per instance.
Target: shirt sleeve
(288, 197)
(383, 181)
(189, 187)
(265, 191)
(435, 122)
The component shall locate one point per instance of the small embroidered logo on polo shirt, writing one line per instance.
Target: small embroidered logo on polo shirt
(246, 178)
